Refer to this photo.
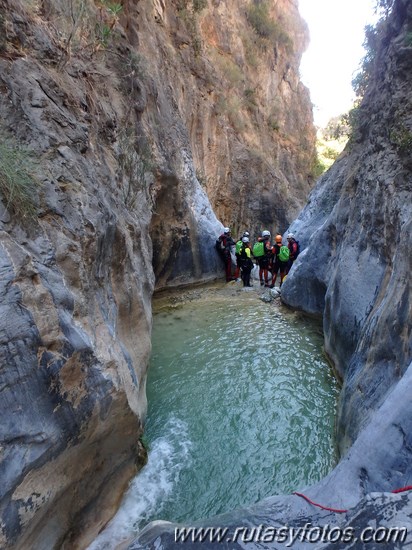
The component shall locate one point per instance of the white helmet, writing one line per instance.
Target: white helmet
(265, 233)
(246, 234)
(291, 236)
(226, 230)
(245, 239)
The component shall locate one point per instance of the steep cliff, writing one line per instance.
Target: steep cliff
(356, 231)
(124, 128)
(222, 85)
(76, 284)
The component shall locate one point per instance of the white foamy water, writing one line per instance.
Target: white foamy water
(151, 488)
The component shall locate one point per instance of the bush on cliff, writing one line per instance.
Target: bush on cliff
(18, 186)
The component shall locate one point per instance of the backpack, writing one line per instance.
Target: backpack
(284, 253)
(219, 245)
(258, 249)
(239, 245)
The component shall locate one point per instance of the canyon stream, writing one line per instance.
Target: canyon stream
(241, 406)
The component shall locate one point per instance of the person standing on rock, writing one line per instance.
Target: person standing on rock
(224, 246)
(279, 261)
(262, 251)
(239, 245)
(245, 260)
(293, 246)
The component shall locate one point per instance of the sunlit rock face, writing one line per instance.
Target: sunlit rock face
(233, 101)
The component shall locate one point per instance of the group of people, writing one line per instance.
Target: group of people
(272, 258)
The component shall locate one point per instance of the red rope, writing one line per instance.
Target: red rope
(339, 511)
(319, 505)
(402, 489)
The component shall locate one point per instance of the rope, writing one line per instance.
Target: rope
(337, 510)
(402, 489)
(341, 511)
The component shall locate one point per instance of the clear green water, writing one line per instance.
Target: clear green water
(249, 382)
(241, 406)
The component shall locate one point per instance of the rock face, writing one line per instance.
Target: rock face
(122, 136)
(75, 289)
(378, 521)
(224, 104)
(356, 231)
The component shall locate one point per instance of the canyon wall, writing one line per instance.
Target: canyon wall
(76, 285)
(357, 239)
(129, 132)
(224, 104)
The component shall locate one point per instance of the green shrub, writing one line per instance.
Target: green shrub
(361, 81)
(135, 162)
(273, 123)
(197, 45)
(113, 8)
(250, 49)
(105, 23)
(135, 63)
(351, 122)
(86, 26)
(182, 5)
(229, 69)
(195, 5)
(318, 168)
(232, 108)
(330, 143)
(374, 36)
(250, 97)
(221, 106)
(103, 34)
(188, 16)
(234, 113)
(18, 185)
(401, 137)
(199, 5)
(266, 28)
(337, 128)
(258, 16)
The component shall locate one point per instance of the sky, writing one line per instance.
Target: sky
(335, 51)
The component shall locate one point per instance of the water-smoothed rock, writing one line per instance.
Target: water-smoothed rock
(380, 520)
(76, 287)
(356, 234)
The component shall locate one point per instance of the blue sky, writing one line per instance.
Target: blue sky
(336, 35)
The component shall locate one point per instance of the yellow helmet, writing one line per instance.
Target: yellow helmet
(278, 238)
